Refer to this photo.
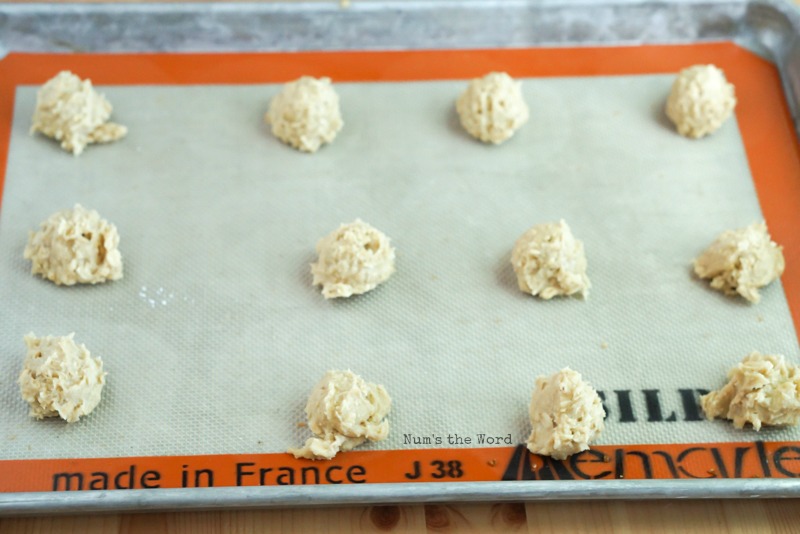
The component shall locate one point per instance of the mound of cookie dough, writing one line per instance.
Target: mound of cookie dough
(701, 99)
(69, 110)
(60, 378)
(566, 415)
(353, 259)
(492, 108)
(741, 261)
(762, 390)
(75, 246)
(305, 114)
(549, 262)
(344, 411)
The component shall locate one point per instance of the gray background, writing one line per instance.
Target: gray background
(214, 337)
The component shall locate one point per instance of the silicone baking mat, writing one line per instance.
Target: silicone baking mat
(215, 336)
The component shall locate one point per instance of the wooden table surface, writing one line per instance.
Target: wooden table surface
(612, 517)
(618, 517)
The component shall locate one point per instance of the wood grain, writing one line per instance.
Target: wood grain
(652, 517)
(598, 517)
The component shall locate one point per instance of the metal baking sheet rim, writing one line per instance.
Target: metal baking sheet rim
(769, 28)
(198, 499)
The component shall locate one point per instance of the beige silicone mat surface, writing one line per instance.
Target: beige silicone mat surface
(215, 336)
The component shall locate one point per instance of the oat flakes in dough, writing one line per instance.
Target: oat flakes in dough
(60, 378)
(344, 411)
(305, 114)
(75, 246)
(69, 110)
(353, 259)
(742, 261)
(549, 262)
(566, 415)
(492, 108)
(700, 100)
(762, 390)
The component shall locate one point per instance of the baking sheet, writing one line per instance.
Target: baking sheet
(199, 244)
(215, 336)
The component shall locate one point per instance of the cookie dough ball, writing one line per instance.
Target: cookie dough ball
(762, 390)
(60, 378)
(566, 415)
(353, 259)
(305, 114)
(492, 108)
(75, 247)
(344, 411)
(742, 261)
(549, 261)
(69, 110)
(701, 99)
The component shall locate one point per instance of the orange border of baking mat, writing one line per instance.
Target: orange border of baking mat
(772, 152)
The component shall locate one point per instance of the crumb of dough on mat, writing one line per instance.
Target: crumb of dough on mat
(353, 259)
(75, 246)
(305, 114)
(492, 108)
(343, 412)
(566, 415)
(742, 261)
(72, 112)
(550, 262)
(763, 389)
(60, 378)
(700, 101)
